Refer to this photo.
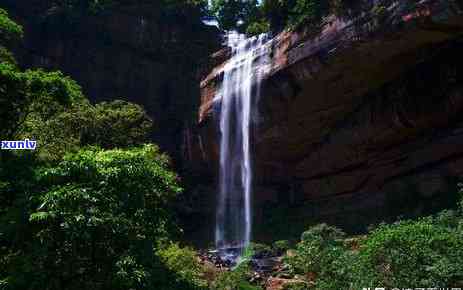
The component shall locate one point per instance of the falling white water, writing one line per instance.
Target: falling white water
(237, 100)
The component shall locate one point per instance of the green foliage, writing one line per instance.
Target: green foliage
(7, 56)
(92, 219)
(281, 246)
(235, 14)
(300, 285)
(448, 218)
(184, 263)
(236, 279)
(307, 12)
(410, 254)
(322, 253)
(423, 253)
(258, 248)
(276, 12)
(65, 12)
(115, 124)
(9, 30)
(322, 232)
(32, 92)
(95, 222)
(254, 18)
(460, 197)
(256, 28)
(37, 91)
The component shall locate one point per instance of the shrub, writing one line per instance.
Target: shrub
(9, 30)
(236, 279)
(411, 254)
(308, 12)
(447, 218)
(297, 286)
(115, 124)
(234, 14)
(259, 249)
(322, 254)
(32, 92)
(324, 232)
(281, 246)
(460, 195)
(258, 27)
(184, 263)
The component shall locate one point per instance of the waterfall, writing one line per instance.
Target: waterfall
(237, 101)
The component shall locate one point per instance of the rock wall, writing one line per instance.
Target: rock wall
(136, 51)
(358, 123)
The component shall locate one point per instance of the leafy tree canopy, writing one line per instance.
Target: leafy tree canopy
(94, 222)
(73, 215)
(9, 30)
(235, 14)
(115, 124)
(20, 90)
(72, 10)
(254, 17)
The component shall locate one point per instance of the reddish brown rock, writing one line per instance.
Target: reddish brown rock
(356, 118)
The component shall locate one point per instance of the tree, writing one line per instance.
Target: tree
(307, 12)
(94, 218)
(94, 222)
(9, 30)
(32, 90)
(115, 124)
(427, 252)
(277, 12)
(235, 14)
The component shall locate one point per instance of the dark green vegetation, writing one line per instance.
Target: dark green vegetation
(422, 253)
(427, 252)
(239, 276)
(254, 18)
(71, 10)
(91, 208)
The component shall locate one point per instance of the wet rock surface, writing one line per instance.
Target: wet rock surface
(263, 264)
(266, 268)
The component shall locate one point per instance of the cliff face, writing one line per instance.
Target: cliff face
(357, 123)
(138, 52)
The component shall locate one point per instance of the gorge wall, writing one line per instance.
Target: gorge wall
(137, 50)
(360, 122)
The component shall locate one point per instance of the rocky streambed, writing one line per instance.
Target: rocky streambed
(265, 268)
